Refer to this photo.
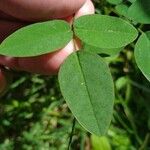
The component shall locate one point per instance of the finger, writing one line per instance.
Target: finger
(8, 27)
(86, 9)
(2, 81)
(38, 10)
(45, 64)
(10, 62)
(51, 62)
(4, 16)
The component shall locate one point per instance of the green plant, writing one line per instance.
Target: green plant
(84, 78)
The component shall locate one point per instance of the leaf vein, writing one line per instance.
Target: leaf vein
(79, 63)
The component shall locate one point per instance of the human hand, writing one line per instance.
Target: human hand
(15, 14)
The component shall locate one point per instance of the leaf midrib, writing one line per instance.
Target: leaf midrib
(84, 79)
(30, 43)
(103, 31)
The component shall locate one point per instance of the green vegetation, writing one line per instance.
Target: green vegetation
(34, 115)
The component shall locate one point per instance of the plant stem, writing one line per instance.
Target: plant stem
(130, 118)
(144, 145)
(123, 123)
(139, 86)
(71, 134)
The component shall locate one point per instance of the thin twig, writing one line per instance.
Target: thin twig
(71, 134)
(144, 145)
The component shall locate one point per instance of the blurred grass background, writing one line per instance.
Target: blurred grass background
(34, 115)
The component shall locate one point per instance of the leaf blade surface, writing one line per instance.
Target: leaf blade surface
(139, 11)
(104, 31)
(37, 39)
(88, 90)
(142, 54)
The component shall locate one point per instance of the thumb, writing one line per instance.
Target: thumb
(38, 10)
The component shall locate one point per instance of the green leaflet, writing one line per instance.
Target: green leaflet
(115, 2)
(139, 11)
(132, 1)
(142, 54)
(122, 9)
(37, 39)
(104, 31)
(87, 86)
